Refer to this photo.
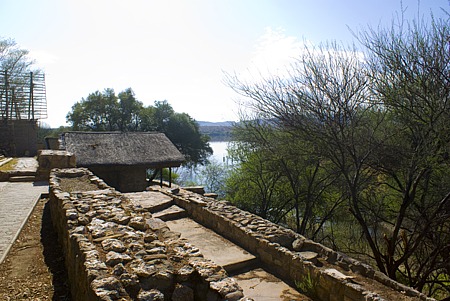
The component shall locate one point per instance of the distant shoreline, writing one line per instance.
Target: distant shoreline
(218, 132)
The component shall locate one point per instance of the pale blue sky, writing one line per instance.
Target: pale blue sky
(177, 50)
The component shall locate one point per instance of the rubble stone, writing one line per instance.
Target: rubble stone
(117, 251)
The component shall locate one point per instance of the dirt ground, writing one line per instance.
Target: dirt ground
(34, 268)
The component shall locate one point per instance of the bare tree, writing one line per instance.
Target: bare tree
(410, 69)
(381, 121)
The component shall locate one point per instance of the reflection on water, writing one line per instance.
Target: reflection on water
(189, 176)
(220, 153)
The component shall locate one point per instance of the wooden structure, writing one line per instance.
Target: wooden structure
(122, 159)
(22, 103)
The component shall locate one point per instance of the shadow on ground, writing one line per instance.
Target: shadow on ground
(54, 257)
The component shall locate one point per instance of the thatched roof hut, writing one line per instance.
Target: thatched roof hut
(150, 149)
(121, 159)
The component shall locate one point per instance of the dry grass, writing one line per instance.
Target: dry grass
(10, 165)
(77, 184)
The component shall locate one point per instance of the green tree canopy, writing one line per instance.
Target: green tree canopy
(184, 132)
(104, 111)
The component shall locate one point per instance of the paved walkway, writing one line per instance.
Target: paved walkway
(256, 282)
(17, 201)
(26, 164)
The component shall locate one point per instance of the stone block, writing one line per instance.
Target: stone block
(182, 293)
(354, 292)
(196, 189)
(265, 256)
(297, 244)
(49, 159)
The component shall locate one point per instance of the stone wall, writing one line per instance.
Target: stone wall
(115, 250)
(327, 274)
(123, 178)
(49, 159)
(18, 138)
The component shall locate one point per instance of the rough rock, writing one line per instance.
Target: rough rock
(183, 293)
(151, 295)
(112, 244)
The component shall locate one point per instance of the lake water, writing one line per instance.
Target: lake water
(220, 153)
(220, 156)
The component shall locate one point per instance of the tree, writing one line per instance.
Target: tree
(13, 59)
(380, 122)
(130, 110)
(254, 188)
(162, 114)
(180, 128)
(410, 68)
(15, 69)
(278, 178)
(104, 111)
(98, 112)
(213, 176)
(184, 132)
(253, 185)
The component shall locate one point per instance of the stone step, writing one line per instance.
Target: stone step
(169, 214)
(247, 264)
(260, 284)
(150, 200)
(309, 256)
(22, 179)
(22, 173)
(213, 246)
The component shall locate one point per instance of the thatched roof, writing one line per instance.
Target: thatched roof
(149, 149)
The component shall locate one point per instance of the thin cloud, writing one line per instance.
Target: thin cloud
(43, 58)
(275, 51)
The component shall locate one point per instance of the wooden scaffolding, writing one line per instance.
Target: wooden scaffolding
(22, 96)
(22, 103)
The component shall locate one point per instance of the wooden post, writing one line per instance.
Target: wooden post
(31, 101)
(6, 95)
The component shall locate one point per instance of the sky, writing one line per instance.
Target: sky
(180, 50)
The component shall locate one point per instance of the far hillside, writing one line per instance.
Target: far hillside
(218, 131)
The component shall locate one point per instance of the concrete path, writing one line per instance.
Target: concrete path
(213, 246)
(256, 282)
(26, 164)
(259, 284)
(17, 201)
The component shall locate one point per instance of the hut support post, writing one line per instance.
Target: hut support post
(161, 177)
(170, 177)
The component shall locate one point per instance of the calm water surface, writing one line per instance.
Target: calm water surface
(220, 156)
(220, 151)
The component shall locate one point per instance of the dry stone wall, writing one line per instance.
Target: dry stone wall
(317, 270)
(115, 250)
(49, 159)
